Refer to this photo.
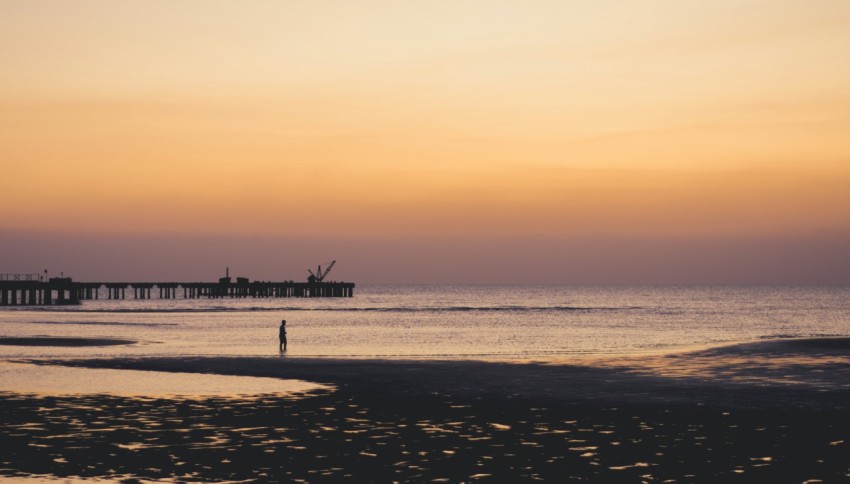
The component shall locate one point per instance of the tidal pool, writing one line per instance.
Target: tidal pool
(62, 380)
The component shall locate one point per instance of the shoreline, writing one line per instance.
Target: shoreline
(802, 372)
(713, 415)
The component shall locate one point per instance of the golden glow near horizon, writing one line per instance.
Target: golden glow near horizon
(397, 119)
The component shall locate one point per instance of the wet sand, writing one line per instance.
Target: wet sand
(772, 411)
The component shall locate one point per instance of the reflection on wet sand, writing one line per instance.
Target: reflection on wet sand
(445, 422)
(334, 435)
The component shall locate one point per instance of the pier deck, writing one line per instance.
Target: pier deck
(58, 291)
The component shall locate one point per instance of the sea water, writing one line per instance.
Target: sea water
(453, 322)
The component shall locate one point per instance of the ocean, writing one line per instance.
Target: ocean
(541, 323)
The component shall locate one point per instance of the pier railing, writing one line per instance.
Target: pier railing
(20, 277)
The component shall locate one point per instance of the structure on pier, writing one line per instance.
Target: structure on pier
(33, 290)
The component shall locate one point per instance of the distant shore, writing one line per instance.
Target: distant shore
(65, 342)
(773, 410)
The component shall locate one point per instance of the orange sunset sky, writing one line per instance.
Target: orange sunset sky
(457, 141)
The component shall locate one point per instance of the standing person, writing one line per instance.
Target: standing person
(282, 335)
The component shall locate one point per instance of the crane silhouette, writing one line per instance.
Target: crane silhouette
(320, 275)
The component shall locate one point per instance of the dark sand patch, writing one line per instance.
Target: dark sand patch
(800, 366)
(52, 341)
(803, 346)
(458, 421)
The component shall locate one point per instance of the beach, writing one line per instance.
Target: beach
(559, 241)
(754, 412)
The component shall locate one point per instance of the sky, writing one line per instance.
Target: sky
(656, 142)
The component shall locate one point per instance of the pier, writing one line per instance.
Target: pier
(32, 290)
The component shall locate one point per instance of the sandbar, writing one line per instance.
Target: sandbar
(63, 341)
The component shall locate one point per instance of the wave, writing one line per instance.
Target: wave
(799, 335)
(395, 309)
(484, 309)
(104, 323)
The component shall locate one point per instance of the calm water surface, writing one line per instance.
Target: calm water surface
(478, 322)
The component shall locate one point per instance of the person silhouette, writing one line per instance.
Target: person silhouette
(282, 335)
